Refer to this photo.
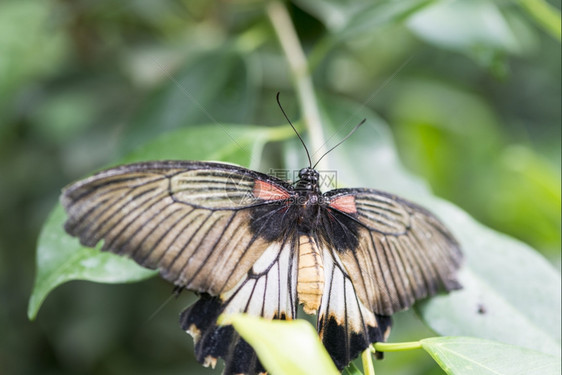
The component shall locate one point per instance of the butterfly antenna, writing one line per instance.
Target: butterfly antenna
(342, 141)
(296, 132)
(174, 294)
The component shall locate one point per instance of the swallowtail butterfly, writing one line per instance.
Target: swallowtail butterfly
(249, 242)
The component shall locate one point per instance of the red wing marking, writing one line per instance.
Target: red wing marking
(344, 203)
(266, 191)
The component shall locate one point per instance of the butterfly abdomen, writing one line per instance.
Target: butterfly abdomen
(310, 281)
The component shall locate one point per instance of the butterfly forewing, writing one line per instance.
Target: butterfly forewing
(397, 252)
(188, 219)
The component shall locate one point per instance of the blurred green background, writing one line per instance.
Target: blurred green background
(471, 90)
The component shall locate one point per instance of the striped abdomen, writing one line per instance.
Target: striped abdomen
(310, 282)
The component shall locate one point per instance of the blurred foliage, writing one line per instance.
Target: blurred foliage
(471, 90)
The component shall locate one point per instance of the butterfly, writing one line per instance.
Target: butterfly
(253, 243)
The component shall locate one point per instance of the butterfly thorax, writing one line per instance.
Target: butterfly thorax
(308, 198)
(308, 181)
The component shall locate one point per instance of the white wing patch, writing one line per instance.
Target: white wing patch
(340, 301)
(269, 289)
(346, 325)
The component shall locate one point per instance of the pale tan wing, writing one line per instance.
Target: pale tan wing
(191, 220)
(395, 252)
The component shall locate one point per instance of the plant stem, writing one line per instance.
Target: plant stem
(298, 66)
(545, 14)
(367, 360)
(396, 347)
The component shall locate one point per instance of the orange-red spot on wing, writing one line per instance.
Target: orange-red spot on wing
(266, 191)
(344, 203)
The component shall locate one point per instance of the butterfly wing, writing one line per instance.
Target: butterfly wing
(268, 290)
(382, 253)
(187, 219)
(398, 251)
(208, 227)
(394, 251)
(345, 324)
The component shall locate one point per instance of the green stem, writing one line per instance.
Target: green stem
(396, 347)
(367, 360)
(298, 66)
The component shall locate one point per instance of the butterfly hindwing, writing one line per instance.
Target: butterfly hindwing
(346, 325)
(269, 290)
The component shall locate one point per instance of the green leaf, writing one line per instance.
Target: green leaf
(351, 370)
(511, 293)
(349, 18)
(464, 26)
(382, 13)
(468, 355)
(477, 29)
(189, 96)
(237, 144)
(284, 347)
(60, 258)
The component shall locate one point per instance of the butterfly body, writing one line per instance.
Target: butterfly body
(249, 242)
(305, 206)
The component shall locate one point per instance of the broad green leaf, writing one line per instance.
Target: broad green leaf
(379, 14)
(463, 26)
(476, 28)
(468, 355)
(213, 87)
(284, 347)
(61, 258)
(237, 144)
(511, 293)
(531, 196)
(349, 18)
